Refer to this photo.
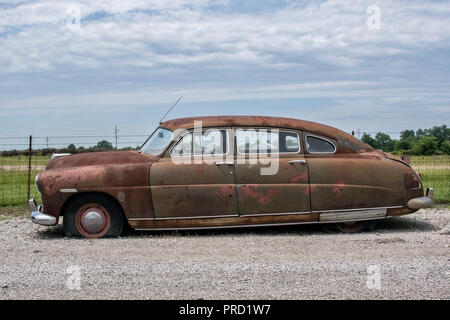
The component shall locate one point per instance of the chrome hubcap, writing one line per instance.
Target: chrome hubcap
(93, 221)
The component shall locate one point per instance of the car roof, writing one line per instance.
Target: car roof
(261, 121)
(347, 142)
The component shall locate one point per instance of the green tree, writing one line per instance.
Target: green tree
(407, 135)
(104, 145)
(441, 133)
(445, 147)
(366, 138)
(402, 145)
(427, 145)
(384, 142)
(71, 147)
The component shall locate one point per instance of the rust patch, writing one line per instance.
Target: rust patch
(340, 185)
(252, 192)
(227, 191)
(299, 178)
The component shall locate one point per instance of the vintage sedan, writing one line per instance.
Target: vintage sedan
(229, 171)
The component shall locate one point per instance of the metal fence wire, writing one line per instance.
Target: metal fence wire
(18, 169)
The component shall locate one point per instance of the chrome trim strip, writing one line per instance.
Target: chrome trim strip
(57, 155)
(274, 214)
(344, 216)
(69, 190)
(357, 209)
(185, 218)
(228, 227)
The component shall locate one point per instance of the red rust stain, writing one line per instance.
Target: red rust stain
(250, 191)
(226, 191)
(340, 185)
(299, 178)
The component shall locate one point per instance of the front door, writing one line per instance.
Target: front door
(194, 178)
(271, 172)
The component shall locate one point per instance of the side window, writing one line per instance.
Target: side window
(183, 147)
(319, 145)
(208, 143)
(266, 141)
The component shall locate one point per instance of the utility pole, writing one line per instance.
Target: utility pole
(115, 134)
(47, 142)
(358, 133)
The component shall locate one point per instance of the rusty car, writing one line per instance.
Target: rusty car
(229, 171)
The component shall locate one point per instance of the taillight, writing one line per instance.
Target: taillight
(412, 181)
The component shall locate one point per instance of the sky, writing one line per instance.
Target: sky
(82, 67)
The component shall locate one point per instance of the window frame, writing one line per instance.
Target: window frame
(322, 138)
(191, 132)
(267, 128)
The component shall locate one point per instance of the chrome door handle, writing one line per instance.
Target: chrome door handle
(228, 163)
(302, 161)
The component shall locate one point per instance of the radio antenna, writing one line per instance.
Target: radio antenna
(179, 99)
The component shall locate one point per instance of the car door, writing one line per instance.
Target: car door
(271, 172)
(194, 178)
(348, 181)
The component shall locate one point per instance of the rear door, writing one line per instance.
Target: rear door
(271, 172)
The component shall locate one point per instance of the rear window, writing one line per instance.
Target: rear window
(319, 145)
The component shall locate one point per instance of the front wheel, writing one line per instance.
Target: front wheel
(93, 216)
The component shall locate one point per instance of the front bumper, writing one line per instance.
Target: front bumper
(39, 217)
(422, 202)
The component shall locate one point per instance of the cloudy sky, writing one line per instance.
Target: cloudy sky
(81, 67)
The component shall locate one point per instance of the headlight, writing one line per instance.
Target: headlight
(36, 182)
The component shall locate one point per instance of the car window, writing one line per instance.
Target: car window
(158, 142)
(319, 145)
(210, 142)
(267, 141)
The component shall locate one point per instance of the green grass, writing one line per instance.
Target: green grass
(14, 187)
(435, 171)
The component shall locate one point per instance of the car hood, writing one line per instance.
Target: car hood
(99, 158)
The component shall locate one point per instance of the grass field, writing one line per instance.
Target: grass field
(435, 171)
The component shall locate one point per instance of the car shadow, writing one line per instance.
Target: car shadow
(390, 225)
(404, 224)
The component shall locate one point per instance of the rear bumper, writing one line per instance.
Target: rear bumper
(422, 202)
(39, 217)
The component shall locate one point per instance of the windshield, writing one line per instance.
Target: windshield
(158, 142)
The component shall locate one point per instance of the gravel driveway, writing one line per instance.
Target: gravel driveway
(404, 258)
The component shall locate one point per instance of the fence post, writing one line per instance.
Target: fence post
(29, 166)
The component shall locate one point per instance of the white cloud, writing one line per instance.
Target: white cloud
(136, 33)
(145, 53)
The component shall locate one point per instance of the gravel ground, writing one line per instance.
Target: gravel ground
(412, 254)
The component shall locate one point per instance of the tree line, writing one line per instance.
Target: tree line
(71, 148)
(431, 141)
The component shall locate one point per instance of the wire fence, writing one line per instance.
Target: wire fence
(17, 171)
